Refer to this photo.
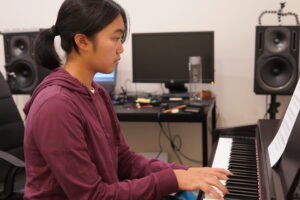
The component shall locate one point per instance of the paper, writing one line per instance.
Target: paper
(277, 146)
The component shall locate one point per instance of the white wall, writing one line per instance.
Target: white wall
(234, 24)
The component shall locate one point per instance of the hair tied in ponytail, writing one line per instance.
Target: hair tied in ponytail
(87, 17)
(54, 30)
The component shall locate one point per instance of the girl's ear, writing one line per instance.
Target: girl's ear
(82, 41)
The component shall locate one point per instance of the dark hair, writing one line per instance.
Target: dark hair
(75, 16)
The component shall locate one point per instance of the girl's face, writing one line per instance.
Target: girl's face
(106, 47)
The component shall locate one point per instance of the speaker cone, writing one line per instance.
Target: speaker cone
(275, 73)
(277, 39)
(20, 46)
(23, 75)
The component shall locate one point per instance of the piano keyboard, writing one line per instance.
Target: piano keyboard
(238, 155)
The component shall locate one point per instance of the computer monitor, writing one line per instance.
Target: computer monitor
(163, 57)
(108, 81)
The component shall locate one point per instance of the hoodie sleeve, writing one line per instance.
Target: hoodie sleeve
(59, 134)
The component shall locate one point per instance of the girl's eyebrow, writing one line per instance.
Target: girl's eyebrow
(119, 31)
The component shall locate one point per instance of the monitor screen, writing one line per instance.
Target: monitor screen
(108, 81)
(163, 57)
(101, 77)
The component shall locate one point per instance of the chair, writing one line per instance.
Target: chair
(12, 173)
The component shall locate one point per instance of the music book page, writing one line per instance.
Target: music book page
(277, 146)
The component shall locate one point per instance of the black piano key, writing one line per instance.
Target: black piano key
(241, 166)
(242, 158)
(254, 187)
(246, 149)
(242, 153)
(243, 192)
(241, 144)
(238, 196)
(237, 183)
(252, 157)
(235, 144)
(241, 180)
(243, 172)
(238, 152)
(250, 169)
(243, 147)
(243, 163)
(242, 188)
(243, 176)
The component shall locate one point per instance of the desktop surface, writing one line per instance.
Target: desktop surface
(130, 112)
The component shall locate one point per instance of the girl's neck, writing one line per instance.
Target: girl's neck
(80, 71)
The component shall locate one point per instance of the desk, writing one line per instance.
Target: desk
(130, 114)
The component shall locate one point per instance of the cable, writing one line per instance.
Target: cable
(279, 14)
(178, 148)
(162, 130)
(175, 147)
(159, 143)
(125, 84)
(291, 14)
(265, 12)
(136, 93)
(159, 140)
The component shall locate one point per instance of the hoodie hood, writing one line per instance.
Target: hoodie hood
(62, 78)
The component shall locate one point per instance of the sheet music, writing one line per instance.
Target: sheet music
(277, 146)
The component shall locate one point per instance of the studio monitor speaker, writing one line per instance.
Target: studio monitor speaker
(276, 59)
(23, 73)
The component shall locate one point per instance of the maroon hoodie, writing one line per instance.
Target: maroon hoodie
(74, 148)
